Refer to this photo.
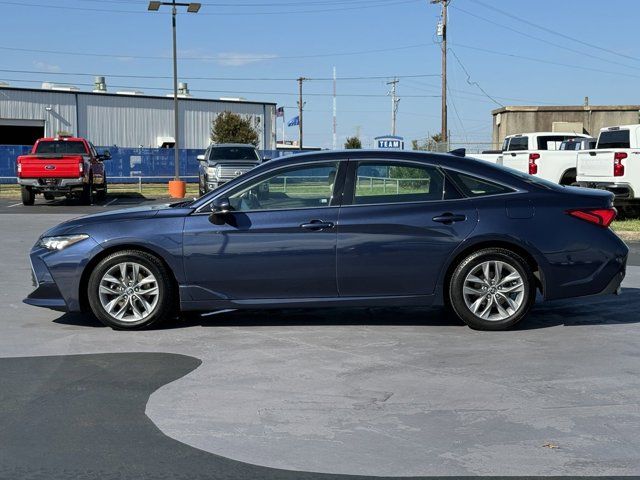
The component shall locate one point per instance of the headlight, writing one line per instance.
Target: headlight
(62, 241)
(212, 171)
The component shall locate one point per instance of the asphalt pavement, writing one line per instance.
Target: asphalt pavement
(313, 393)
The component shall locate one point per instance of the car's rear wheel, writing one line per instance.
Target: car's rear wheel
(28, 195)
(130, 290)
(492, 289)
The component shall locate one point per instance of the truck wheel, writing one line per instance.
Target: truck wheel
(87, 193)
(28, 195)
(569, 177)
(102, 193)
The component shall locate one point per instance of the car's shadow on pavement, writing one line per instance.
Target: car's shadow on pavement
(612, 309)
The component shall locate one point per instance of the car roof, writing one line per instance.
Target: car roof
(216, 145)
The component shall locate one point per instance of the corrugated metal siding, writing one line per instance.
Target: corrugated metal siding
(128, 120)
(28, 105)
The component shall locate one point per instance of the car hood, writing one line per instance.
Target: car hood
(125, 214)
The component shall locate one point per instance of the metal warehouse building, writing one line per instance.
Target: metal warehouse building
(125, 119)
(580, 119)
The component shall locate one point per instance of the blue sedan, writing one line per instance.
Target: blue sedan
(356, 228)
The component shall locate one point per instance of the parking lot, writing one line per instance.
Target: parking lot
(371, 392)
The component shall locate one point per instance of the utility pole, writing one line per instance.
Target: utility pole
(394, 104)
(335, 112)
(300, 108)
(442, 31)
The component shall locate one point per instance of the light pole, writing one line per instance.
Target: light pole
(177, 188)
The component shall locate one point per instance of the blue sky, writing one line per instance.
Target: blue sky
(568, 49)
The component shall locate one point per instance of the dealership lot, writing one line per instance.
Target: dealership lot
(377, 392)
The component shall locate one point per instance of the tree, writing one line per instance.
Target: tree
(430, 144)
(353, 143)
(230, 127)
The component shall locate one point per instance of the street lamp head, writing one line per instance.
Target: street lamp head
(193, 7)
(154, 6)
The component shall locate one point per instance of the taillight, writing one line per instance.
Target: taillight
(19, 167)
(81, 167)
(598, 216)
(618, 167)
(533, 168)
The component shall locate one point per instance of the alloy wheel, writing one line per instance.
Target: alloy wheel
(493, 290)
(128, 292)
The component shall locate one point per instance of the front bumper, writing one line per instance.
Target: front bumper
(47, 294)
(57, 275)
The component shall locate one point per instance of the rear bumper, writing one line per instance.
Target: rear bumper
(59, 184)
(620, 190)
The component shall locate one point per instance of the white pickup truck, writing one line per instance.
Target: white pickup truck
(530, 153)
(614, 165)
(556, 165)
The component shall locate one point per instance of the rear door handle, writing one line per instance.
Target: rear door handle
(316, 225)
(449, 218)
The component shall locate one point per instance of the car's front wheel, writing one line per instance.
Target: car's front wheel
(131, 289)
(492, 289)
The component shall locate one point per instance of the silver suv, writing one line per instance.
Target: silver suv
(223, 162)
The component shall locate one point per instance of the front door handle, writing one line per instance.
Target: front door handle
(316, 225)
(449, 218)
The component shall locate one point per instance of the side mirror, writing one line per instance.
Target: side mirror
(220, 208)
(106, 155)
(200, 158)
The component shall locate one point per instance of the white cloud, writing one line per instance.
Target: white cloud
(240, 59)
(47, 67)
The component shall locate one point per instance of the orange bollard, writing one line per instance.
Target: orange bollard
(177, 188)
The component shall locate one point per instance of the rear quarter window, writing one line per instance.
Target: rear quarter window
(614, 139)
(472, 186)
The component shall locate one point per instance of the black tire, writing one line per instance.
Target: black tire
(28, 195)
(86, 197)
(165, 307)
(474, 260)
(569, 177)
(101, 194)
(49, 196)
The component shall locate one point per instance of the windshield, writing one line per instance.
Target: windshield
(56, 146)
(233, 153)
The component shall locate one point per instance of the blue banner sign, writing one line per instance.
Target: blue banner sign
(390, 142)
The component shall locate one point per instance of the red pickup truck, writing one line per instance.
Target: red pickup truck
(62, 166)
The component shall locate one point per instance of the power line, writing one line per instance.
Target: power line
(217, 14)
(471, 82)
(358, 95)
(549, 62)
(545, 41)
(218, 57)
(555, 32)
(164, 77)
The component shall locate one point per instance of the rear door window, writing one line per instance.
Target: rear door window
(518, 143)
(396, 182)
(614, 139)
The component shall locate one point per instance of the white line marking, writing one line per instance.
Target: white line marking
(14, 205)
(109, 203)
